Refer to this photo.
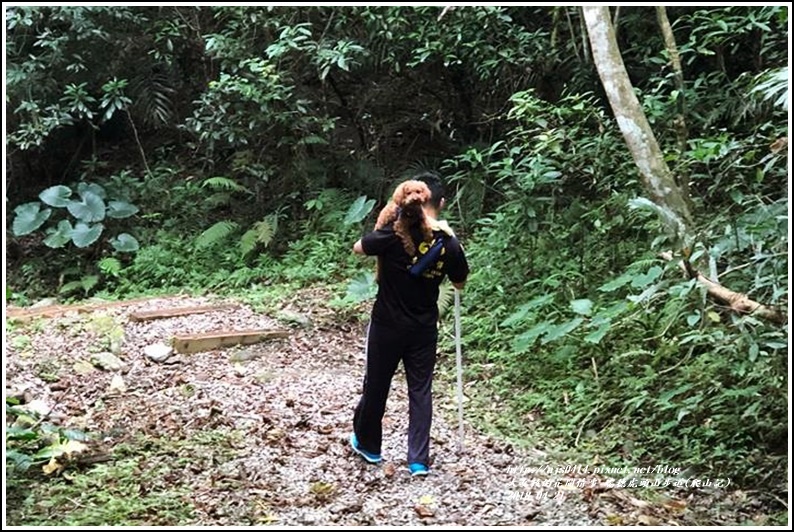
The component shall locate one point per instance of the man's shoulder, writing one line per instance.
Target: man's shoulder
(441, 225)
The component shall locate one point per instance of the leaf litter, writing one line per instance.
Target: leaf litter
(259, 433)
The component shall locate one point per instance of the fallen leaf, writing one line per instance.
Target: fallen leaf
(675, 505)
(73, 447)
(426, 499)
(423, 511)
(51, 467)
(389, 470)
(648, 520)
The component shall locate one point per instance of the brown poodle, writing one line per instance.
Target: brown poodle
(405, 210)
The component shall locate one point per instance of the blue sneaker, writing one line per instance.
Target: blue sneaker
(369, 457)
(418, 470)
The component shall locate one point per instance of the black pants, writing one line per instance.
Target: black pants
(385, 348)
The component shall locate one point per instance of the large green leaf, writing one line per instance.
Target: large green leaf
(616, 283)
(125, 243)
(60, 236)
(57, 196)
(643, 280)
(20, 461)
(524, 341)
(121, 209)
(594, 337)
(82, 188)
(84, 235)
(91, 208)
(582, 306)
(561, 330)
(359, 210)
(523, 310)
(20, 433)
(29, 218)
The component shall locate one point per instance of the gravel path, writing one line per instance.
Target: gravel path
(280, 412)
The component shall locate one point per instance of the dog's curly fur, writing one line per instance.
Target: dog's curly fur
(405, 211)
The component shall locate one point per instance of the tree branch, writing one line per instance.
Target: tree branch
(736, 301)
(444, 12)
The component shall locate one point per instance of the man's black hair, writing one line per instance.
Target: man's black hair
(433, 181)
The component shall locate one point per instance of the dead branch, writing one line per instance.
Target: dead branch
(736, 301)
(444, 12)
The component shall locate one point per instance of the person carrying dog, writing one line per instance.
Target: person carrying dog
(415, 252)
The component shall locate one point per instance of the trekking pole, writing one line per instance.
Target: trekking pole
(459, 362)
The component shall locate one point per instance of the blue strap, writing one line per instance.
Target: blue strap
(429, 258)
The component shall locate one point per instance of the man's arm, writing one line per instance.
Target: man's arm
(357, 248)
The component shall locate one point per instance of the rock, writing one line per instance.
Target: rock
(117, 384)
(83, 367)
(295, 318)
(116, 344)
(239, 370)
(37, 406)
(307, 519)
(108, 362)
(16, 395)
(245, 355)
(158, 352)
(46, 302)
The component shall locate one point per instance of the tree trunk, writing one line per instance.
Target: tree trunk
(656, 176)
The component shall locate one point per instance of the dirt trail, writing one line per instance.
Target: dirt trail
(259, 434)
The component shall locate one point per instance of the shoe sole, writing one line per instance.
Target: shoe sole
(419, 473)
(361, 453)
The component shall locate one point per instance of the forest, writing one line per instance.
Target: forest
(619, 178)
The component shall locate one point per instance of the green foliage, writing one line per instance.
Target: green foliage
(215, 233)
(32, 441)
(359, 210)
(296, 111)
(87, 212)
(223, 183)
(773, 86)
(127, 491)
(262, 232)
(29, 217)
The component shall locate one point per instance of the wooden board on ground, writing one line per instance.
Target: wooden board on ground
(195, 343)
(25, 314)
(174, 312)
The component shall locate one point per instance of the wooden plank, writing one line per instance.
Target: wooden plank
(24, 314)
(195, 343)
(174, 312)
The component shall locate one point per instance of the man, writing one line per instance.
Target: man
(404, 326)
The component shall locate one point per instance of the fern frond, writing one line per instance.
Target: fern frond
(224, 183)
(110, 266)
(262, 232)
(153, 95)
(266, 230)
(248, 242)
(219, 199)
(216, 233)
(446, 295)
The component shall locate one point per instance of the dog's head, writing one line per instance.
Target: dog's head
(411, 193)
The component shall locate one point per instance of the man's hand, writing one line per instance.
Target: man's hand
(357, 248)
